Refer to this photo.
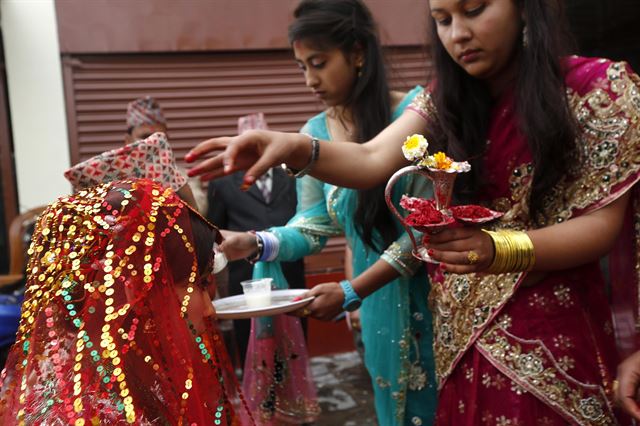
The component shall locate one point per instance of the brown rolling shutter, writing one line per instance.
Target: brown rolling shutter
(202, 95)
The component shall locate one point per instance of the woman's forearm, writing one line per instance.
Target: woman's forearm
(355, 165)
(376, 276)
(579, 240)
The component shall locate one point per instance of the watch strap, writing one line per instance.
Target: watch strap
(350, 296)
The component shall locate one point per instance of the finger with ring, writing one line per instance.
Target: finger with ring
(472, 257)
(306, 312)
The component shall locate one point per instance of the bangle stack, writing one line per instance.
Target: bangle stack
(259, 249)
(513, 252)
(271, 246)
(267, 245)
(315, 153)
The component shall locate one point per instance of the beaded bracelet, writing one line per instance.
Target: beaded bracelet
(513, 252)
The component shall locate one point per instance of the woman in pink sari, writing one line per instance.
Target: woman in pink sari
(523, 333)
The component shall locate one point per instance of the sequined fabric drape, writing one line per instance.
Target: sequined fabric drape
(104, 336)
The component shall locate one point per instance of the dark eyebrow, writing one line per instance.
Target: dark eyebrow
(309, 58)
(313, 56)
(460, 3)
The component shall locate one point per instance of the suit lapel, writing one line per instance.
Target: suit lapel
(281, 183)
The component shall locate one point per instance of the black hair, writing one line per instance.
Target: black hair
(348, 25)
(464, 104)
(203, 239)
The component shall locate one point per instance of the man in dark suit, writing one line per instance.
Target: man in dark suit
(236, 210)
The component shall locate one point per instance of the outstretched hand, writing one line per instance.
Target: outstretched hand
(327, 304)
(237, 245)
(254, 151)
(461, 250)
(628, 382)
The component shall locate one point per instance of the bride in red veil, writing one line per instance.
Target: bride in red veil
(117, 323)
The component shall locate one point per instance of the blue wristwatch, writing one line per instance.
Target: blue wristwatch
(351, 299)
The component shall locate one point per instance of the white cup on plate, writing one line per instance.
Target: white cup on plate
(257, 293)
(219, 259)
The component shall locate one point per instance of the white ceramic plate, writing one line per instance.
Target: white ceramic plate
(235, 307)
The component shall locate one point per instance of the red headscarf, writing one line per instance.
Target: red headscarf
(112, 328)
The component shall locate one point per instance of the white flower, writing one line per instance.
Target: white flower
(461, 166)
(415, 147)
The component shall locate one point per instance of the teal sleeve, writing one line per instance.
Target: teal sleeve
(309, 192)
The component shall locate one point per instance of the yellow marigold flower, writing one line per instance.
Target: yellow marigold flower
(415, 147)
(442, 161)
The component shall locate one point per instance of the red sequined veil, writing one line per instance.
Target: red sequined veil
(104, 337)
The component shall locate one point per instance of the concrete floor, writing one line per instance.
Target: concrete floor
(344, 390)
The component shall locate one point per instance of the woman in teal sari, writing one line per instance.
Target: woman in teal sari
(336, 45)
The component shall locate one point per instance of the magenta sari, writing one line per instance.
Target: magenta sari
(544, 354)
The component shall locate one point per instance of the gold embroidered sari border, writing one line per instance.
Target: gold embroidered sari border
(453, 356)
(582, 403)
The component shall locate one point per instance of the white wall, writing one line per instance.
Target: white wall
(36, 100)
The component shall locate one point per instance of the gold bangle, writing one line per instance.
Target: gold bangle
(513, 251)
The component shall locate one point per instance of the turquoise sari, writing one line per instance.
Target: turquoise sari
(396, 323)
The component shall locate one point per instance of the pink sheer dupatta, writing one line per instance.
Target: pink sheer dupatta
(277, 381)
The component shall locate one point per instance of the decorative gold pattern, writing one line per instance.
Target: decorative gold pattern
(423, 105)
(533, 367)
(504, 321)
(504, 421)
(488, 419)
(566, 363)
(400, 257)
(468, 374)
(601, 117)
(412, 375)
(609, 132)
(497, 381)
(417, 377)
(563, 295)
(537, 301)
(517, 389)
(605, 165)
(453, 335)
(562, 342)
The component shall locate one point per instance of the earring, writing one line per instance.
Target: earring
(359, 69)
(525, 36)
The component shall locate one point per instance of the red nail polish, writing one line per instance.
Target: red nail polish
(430, 251)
